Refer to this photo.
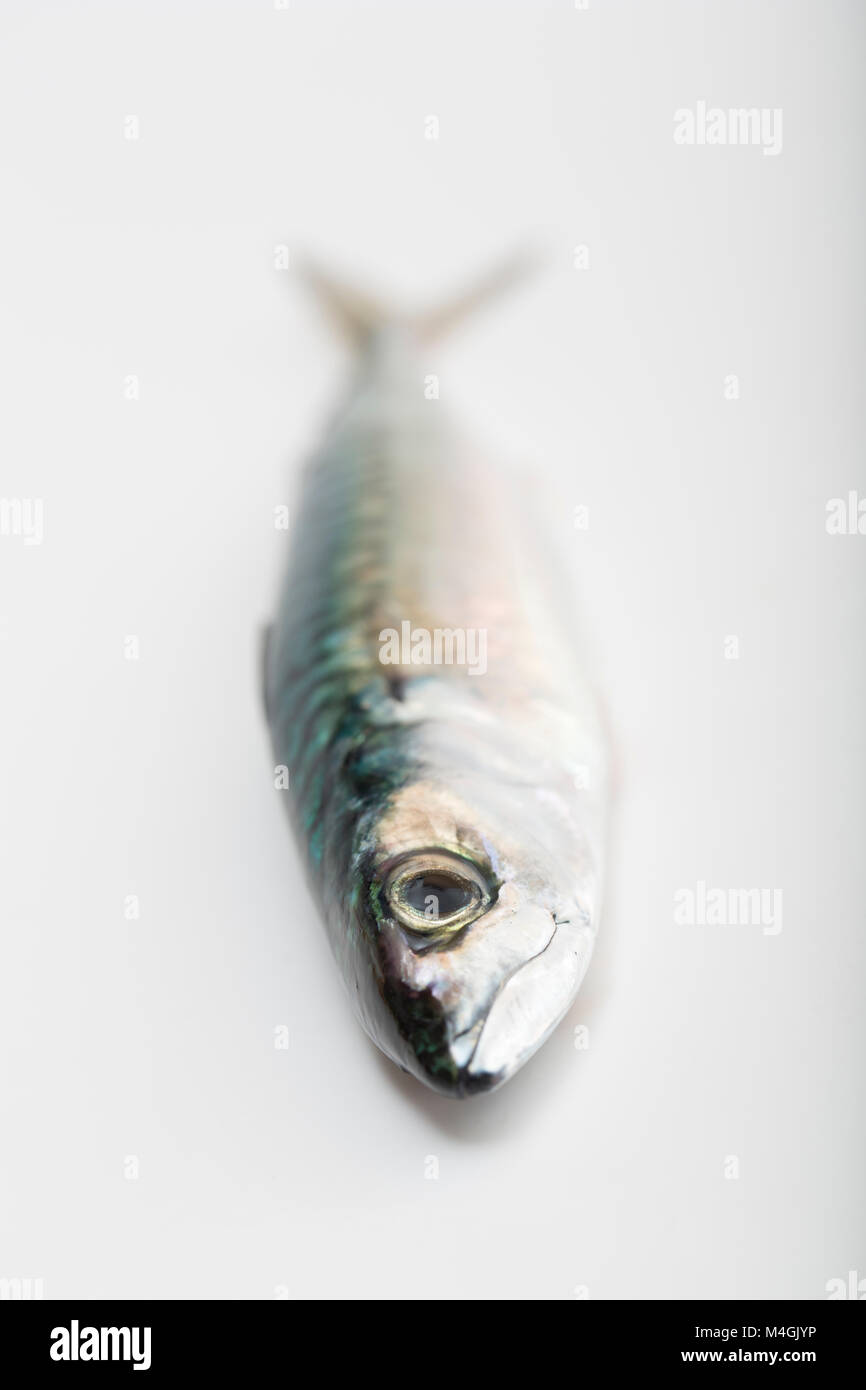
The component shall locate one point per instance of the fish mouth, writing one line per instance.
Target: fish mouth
(524, 1009)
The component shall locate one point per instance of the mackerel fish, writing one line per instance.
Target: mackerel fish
(426, 693)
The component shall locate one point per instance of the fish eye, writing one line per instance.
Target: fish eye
(434, 892)
(437, 894)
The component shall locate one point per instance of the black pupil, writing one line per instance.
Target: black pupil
(437, 895)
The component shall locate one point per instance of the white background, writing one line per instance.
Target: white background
(304, 1170)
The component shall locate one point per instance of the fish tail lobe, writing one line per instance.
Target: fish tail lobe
(359, 315)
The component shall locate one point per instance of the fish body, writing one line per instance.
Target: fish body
(446, 760)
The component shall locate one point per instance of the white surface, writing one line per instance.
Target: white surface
(305, 1169)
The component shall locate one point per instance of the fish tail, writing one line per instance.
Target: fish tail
(359, 315)
(437, 322)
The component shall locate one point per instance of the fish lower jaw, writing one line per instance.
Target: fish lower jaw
(462, 1084)
(526, 1010)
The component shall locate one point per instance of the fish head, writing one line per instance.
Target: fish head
(480, 899)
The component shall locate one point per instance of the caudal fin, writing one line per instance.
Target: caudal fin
(358, 314)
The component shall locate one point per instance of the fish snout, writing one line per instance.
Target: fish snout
(470, 1014)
